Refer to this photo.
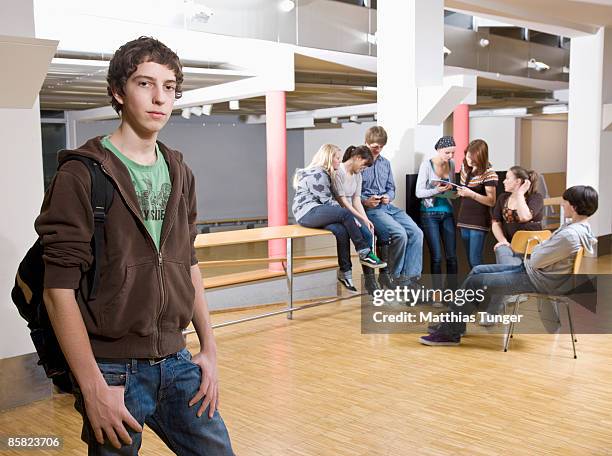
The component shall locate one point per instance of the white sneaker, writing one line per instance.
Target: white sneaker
(348, 284)
(511, 299)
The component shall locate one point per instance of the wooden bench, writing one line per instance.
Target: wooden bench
(238, 278)
(287, 232)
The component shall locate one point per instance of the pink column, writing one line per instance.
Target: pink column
(276, 146)
(461, 132)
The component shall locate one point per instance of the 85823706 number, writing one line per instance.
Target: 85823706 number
(31, 442)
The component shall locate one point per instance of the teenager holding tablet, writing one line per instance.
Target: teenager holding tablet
(548, 270)
(434, 188)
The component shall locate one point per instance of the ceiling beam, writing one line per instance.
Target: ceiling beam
(534, 18)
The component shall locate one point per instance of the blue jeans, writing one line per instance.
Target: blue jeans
(473, 240)
(326, 214)
(343, 246)
(503, 255)
(494, 279)
(439, 231)
(366, 233)
(406, 248)
(158, 395)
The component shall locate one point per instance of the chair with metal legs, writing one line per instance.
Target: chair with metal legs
(556, 298)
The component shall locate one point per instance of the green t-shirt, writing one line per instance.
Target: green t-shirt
(152, 184)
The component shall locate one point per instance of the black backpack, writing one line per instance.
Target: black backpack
(27, 294)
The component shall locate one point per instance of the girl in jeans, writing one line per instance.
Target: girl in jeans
(478, 192)
(314, 206)
(434, 187)
(347, 188)
(519, 208)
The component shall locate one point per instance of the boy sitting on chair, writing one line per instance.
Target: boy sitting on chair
(546, 271)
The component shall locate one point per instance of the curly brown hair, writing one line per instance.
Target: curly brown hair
(133, 53)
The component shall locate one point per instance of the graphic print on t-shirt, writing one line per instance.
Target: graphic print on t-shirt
(152, 203)
(152, 186)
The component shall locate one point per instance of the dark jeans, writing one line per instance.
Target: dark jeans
(158, 395)
(439, 231)
(325, 214)
(494, 279)
(473, 240)
(343, 246)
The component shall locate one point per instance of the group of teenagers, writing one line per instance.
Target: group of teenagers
(125, 346)
(352, 193)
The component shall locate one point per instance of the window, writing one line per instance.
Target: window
(53, 135)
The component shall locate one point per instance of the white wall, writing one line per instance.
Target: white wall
(21, 187)
(501, 135)
(349, 134)
(228, 159)
(605, 161)
(605, 184)
(588, 160)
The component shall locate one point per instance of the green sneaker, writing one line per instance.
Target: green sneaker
(372, 261)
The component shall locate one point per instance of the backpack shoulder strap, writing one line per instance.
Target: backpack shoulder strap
(102, 192)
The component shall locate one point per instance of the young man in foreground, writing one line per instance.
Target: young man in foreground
(126, 349)
(546, 271)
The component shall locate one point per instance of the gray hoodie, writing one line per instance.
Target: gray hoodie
(552, 262)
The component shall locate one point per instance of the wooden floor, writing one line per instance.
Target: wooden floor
(316, 386)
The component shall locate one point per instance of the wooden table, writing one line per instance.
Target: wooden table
(287, 232)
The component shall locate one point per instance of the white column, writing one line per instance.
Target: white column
(410, 55)
(21, 187)
(589, 147)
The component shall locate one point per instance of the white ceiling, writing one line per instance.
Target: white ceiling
(561, 17)
(82, 85)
